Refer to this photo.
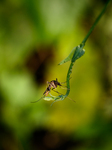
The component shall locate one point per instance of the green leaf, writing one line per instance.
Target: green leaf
(68, 58)
(78, 53)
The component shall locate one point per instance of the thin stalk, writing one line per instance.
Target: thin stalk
(95, 23)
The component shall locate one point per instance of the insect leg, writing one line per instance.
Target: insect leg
(56, 91)
(38, 99)
(62, 87)
(62, 94)
(71, 99)
(65, 81)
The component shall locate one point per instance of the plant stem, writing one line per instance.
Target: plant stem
(95, 23)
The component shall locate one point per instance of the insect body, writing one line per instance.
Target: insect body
(54, 83)
(51, 85)
(47, 91)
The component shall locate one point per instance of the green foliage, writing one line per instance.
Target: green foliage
(51, 29)
(75, 54)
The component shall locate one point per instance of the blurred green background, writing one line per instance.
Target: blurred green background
(34, 37)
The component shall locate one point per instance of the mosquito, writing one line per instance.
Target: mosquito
(52, 85)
